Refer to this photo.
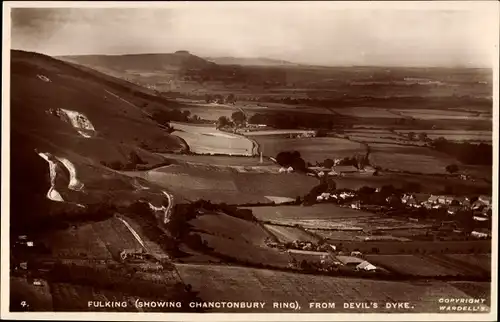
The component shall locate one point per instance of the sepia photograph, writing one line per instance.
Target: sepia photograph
(250, 160)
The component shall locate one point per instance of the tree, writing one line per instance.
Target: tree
(422, 136)
(284, 158)
(238, 117)
(332, 185)
(328, 163)
(231, 99)
(298, 164)
(452, 168)
(222, 122)
(208, 98)
(411, 136)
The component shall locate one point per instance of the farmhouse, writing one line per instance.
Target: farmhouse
(366, 266)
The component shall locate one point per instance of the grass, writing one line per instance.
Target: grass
(225, 283)
(311, 149)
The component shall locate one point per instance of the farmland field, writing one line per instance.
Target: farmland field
(371, 112)
(429, 183)
(219, 160)
(411, 264)
(318, 211)
(101, 240)
(311, 149)
(210, 112)
(481, 261)
(290, 234)
(208, 140)
(225, 283)
(428, 114)
(225, 226)
(336, 235)
(245, 252)
(411, 159)
(229, 186)
(237, 238)
(456, 135)
(276, 133)
(300, 255)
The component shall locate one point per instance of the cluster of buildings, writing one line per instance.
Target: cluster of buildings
(481, 207)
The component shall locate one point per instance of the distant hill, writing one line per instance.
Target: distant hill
(178, 61)
(259, 61)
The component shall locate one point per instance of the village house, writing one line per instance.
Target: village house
(480, 234)
(481, 203)
(356, 204)
(445, 200)
(415, 200)
(452, 210)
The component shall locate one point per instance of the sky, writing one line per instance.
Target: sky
(319, 34)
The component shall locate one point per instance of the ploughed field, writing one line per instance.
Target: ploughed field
(226, 283)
